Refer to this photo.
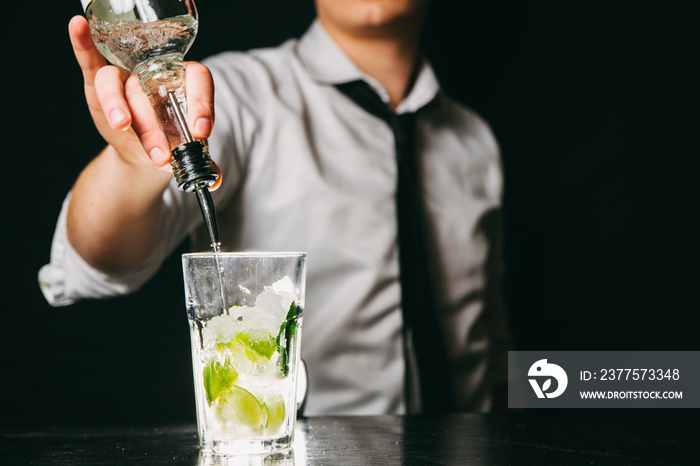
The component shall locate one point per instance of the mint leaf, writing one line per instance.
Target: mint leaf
(217, 378)
(285, 335)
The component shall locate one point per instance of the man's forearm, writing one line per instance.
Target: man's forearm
(114, 212)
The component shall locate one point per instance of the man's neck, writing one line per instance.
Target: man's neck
(389, 60)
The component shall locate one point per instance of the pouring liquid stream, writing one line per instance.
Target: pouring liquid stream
(206, 204)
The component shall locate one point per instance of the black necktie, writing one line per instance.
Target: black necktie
(418, 304)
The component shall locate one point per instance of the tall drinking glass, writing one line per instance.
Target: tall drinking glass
(245, 316)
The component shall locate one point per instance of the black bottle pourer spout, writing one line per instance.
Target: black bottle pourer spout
(192, 166)
(194, 172)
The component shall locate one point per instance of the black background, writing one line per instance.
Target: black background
(594, 105)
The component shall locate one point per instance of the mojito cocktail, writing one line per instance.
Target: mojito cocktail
(245, 316)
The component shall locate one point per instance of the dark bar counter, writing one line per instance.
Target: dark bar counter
(543, 437)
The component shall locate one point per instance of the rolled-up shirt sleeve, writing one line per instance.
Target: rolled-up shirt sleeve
(68, 278)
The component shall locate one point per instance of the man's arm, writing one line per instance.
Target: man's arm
(114, 213)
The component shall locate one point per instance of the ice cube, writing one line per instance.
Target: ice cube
(283, 285)
(285, 289)
(221, 328)
(271, 303)
(254, 317)
(268, 313)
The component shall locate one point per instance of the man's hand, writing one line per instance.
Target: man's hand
(120, 109)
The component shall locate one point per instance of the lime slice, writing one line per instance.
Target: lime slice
(217, 378)
(260, 341)
(239, 350)
(239, 405)
(275, 415)
(256, 345)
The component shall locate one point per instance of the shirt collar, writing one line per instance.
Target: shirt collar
(327, 63)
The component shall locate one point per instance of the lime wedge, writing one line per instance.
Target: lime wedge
(239, 405)
(275, 415)
(217, 378)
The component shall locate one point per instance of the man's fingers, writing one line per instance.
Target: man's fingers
(145, 124)
(200, 100)
(218, 181)
(126, 106)
(91, 63)
(109, 86)
(87, 55)
(114, 94)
